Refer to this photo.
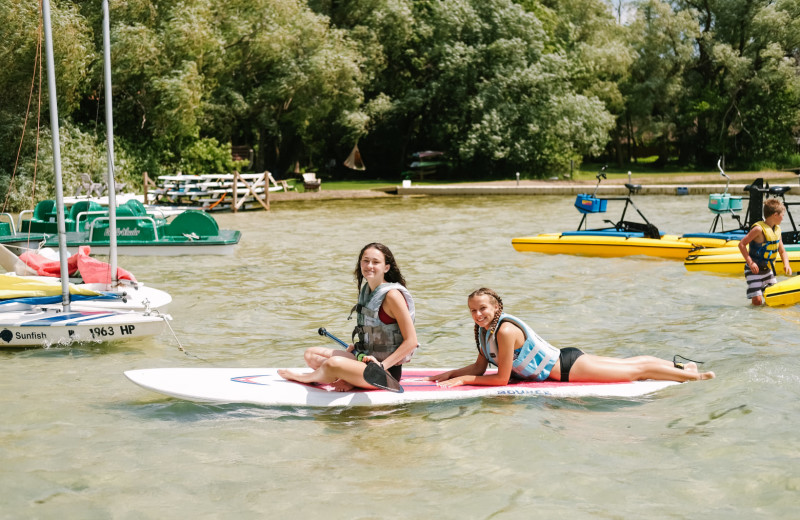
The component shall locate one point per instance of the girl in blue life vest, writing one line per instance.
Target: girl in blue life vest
(765, 244)
(518, 352)
(384, 333)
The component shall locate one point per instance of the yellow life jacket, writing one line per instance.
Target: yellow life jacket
(764, 254)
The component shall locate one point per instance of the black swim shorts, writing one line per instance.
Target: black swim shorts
(567, 358)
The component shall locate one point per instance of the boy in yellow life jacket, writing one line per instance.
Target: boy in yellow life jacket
(765, 244)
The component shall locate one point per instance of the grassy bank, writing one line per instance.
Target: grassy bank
(587, 173)
(670, 174)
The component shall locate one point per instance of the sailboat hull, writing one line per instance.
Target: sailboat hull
(137, 298)
(50, 326)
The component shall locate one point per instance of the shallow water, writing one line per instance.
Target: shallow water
(78, 440)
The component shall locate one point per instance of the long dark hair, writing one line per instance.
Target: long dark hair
(485, 291)
(393, 275)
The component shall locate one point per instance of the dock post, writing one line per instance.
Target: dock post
(235, 205)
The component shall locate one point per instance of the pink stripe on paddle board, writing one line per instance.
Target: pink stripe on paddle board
(412, 381)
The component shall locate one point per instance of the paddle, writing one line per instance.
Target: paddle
(374, 373)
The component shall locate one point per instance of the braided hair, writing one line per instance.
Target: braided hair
(484, 291)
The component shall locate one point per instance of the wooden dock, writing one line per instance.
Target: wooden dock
(214, 192)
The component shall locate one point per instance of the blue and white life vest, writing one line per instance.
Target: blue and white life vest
(534, 360)
(764, 254)
(376, 338)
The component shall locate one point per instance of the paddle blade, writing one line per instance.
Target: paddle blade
(377, 376)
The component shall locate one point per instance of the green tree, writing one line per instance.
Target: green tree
(598, 46)
(716, 78)
(480, 80)
(25, 93)
(265, 72)
(663, 41)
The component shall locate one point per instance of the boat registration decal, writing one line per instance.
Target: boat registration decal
(110, 331)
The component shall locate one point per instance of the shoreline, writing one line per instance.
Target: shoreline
(689, 184)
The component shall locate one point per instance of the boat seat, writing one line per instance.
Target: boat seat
(44, 219)
(779, 190)
(193, 223)
(44, 209)
(83, 206)
(136, 207)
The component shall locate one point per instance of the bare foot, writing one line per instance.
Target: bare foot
(341, 385)
(707, 375)
(690, 367)
(294, 376)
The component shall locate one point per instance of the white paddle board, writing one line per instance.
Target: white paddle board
(263, 386)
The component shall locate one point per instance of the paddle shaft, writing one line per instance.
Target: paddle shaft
(323, 332)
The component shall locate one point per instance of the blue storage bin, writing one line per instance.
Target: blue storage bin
(590, 204)
(719, 202)
(735, 203)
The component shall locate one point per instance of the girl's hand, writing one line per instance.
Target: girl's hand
(450, 383)
(439, 377)
(351, 348)
(370, 359)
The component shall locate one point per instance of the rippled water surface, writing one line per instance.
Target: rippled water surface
(78, 440)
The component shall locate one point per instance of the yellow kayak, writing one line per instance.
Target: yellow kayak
(615, 244)
(786, 292)
(728, 260)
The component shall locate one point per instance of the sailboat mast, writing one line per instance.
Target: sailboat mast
(112, 187)
(51, 91)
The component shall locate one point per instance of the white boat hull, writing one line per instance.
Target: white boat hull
(50, 325)
(138, 298)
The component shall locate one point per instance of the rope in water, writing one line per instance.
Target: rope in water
(166, 319)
